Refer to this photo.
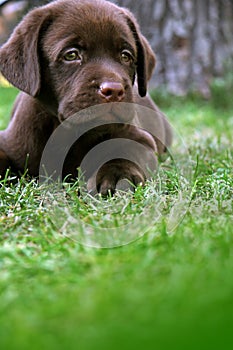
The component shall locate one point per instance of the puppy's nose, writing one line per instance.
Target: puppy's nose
(112, 91)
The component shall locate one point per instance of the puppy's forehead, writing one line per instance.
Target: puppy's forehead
(93, 23)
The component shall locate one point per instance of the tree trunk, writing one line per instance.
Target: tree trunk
(193, 40)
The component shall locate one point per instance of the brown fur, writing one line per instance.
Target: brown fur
(54, 89)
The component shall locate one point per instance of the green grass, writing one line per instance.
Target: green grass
(171, 288)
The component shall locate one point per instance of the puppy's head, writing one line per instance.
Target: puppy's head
(71, 54)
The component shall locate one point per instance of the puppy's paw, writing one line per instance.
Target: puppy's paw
(118, 174)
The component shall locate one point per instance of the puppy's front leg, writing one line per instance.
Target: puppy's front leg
(122, 163)
(22, 143)
(4, 162)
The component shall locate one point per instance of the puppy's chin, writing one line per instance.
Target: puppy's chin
(113, 112)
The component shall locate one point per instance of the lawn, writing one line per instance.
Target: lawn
(165, 277)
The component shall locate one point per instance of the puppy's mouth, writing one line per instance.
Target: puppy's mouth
(114, 112)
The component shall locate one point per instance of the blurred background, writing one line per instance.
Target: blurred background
(193, 40)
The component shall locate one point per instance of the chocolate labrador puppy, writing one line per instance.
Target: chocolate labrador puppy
(65, 57)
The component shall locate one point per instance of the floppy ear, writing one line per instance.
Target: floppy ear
(146, 58)
(19, 56)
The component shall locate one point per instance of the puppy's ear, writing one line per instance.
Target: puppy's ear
(146, 58)
(19, 56)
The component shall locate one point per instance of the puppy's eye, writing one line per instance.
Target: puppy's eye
(72, 55)
(126, 56)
